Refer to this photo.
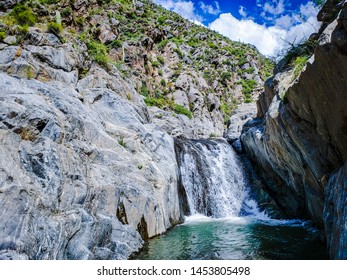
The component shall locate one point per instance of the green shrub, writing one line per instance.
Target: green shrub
(179, 52)
(153, 101)
(225, 76)
(248, 86)
(122, 142)
(182, 110)
(163, 44)
(115, 44)
(98, 52)
(298, 64)
(242, 61)
(193, 42)
(144, 91)
(66, 12)
(79, 21)
(160, 59)
(161, 20)
(212, 45)
(54, 28)
(155, 64)
(304, 49)
(163, 82)
(23, 15)
(3, 35)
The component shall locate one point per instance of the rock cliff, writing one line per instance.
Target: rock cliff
(91, 95)
(299, 146)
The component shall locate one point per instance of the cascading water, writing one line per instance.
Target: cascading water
(212, 178)
(212, 184)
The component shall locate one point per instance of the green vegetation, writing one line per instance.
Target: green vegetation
(179, 52)
(225, 76)
(141, 35)
(144, 91)
(227, 110)
(155, 64)
(23, 15)
(160, 59)
(66, 12)
(163, 44)
(122, 142)
(115, 44)
(79, 21)
(54, 28)
(248, 86)
(154, 101)
(161, 20)
(98, 52)
(298, 64)
(304, 49)
(3, 35)
(182, 110)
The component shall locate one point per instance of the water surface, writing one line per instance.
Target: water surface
(236, 238)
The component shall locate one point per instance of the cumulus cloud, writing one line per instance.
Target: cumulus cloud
(184, 8)
(213, 9)
(276, 8)
(285, 21)
(270, 40)
(242, 11)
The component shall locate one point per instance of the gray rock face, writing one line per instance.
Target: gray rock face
(83, 175)
(7, 4)
(302, 140)
(242, 114)
(335, 214)
(207, 118)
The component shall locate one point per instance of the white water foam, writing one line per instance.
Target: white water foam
(216, 188)
(213, 180)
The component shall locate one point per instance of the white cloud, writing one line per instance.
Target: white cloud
(210, 9)
(269, 40)
(247, 31)
(276, 9)
(308, 10)
(242, 11)
(197, 22)
(184, 8)
(285, 21)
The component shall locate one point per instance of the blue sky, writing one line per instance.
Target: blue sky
(270, 25)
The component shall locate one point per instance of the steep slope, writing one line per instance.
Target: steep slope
(193, 75)
(302, 139)
(88, 167)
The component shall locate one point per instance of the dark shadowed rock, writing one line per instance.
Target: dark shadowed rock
(335, 214)
(302, 140)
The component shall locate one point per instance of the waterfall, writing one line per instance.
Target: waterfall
(212, 179)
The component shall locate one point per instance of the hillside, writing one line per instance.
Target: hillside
(179, 67)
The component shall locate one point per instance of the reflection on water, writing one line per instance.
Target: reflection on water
(236, 238)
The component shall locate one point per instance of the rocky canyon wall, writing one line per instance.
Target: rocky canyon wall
(300, 146)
